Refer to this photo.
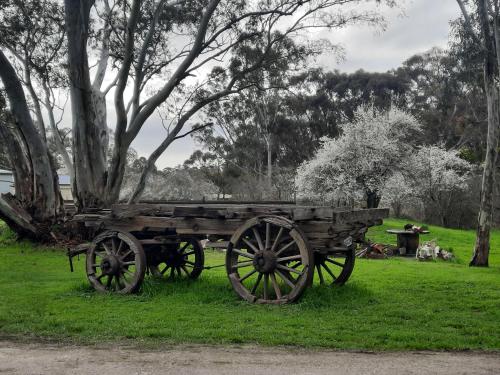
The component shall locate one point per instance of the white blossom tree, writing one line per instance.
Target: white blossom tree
(398, 192)
(358, 163)
(437, 178)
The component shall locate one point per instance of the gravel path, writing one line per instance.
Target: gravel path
(40, 358)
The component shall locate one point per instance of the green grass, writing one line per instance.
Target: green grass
(387, 304)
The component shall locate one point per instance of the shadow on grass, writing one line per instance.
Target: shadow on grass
(218, 291)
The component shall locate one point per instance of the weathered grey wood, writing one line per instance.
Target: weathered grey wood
(325, 227)
(246, 211)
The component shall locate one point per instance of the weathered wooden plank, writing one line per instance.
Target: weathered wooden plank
(180, 225)
(360, 216)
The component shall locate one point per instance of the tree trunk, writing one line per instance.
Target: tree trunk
(485, 217)
(269, 166)
(57, 137)
(482, 246)
(22, 170)
(46, 201)
(38, 203)
(89, 135)
(372, 199)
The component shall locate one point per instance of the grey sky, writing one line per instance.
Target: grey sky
(425, 24)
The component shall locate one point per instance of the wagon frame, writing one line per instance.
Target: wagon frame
(272, 250)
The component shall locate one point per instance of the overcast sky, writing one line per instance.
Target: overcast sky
(424, 24)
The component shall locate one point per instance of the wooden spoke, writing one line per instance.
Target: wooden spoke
(185, 270)
(131, 263)
(275, 286)
(320, 274)
(107, 249)
(100, 254)
(248, 275)
(266, 284)
(256, 285)
(120, 247)
(127, 254)
(244, 254)
(165, 269)
(243, 264)
(286, 259)
(257, 237)
(119, 282)
(334, 262)
(285, 279)
(285, 268)
(184, 247)
(284, 248)
(190, 253)
(108, 283)
(251, 245)
(277, 239)
(329, 271)
(268, 235)
(126, 270)
(114, 248)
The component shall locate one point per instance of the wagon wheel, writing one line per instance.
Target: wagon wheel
(268, 260)
(184, 259)
(334, 268)
(116, 263)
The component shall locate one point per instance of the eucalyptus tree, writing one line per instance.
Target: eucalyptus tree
(482, 21)
(31, 44)
(32, 34)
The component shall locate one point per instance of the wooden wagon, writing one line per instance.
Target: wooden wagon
(272, 250)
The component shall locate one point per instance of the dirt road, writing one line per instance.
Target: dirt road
(39, 358)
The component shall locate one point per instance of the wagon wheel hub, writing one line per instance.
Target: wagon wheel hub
(175, 259)
(110, 265)
(265, 261)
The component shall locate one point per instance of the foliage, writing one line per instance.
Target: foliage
(386, 305)
(433, 178)
(169, 184)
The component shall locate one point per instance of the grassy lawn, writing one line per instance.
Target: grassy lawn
(387, 304)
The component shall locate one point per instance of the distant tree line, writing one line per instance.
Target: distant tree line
(259, 138)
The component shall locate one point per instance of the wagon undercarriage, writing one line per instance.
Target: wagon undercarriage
(272, 251)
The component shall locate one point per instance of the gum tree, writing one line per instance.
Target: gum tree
(482, 20)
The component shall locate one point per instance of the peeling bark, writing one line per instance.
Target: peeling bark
(46, 202)
(89, 137)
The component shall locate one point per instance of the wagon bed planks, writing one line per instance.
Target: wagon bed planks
(246, 211)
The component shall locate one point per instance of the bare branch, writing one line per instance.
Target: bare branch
(198, 128)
